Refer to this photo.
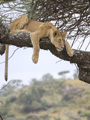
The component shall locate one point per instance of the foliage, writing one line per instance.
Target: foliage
(9, 88)
(32, 117)
(50, 96)
(3, 112)
(63, 73)
(47, 77)
(46, 99)
(86, 115)
(13, 99)
(45, 117)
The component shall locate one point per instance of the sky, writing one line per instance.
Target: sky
(21, 66)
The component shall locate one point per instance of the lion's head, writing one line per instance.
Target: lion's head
(58, 39)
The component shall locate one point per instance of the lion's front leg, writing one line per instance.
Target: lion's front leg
(69, 49)
(35, 41)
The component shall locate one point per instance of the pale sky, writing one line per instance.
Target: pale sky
(21, 65)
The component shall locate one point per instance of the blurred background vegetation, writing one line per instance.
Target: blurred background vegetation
(46, 99)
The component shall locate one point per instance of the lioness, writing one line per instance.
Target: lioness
(40, 30)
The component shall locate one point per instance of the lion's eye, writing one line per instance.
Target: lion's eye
(59, 40)
(55, 33)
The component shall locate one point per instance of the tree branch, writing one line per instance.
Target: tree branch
(2, 49)
(81, 58)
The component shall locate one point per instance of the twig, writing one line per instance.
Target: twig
(5, 85)
(10, 56)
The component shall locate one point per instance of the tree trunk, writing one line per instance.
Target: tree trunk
(81, 58)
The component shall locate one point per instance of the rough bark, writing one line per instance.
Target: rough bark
(2, 49)
(81, 58)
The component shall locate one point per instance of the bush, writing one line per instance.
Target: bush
(45, 105)
(35, 94)
(45, 117)
(13, 99)
(11, 116)
(3, 112)
(35, 106)
(26, 109)
(67, 97)
(32, 117)
(7, 102)
(87, 115)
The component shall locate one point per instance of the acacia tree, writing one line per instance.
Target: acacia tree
(71, 16)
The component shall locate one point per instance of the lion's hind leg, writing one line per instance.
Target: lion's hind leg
(18, 25)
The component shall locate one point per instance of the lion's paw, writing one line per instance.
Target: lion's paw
(35, 59)
(70, 53)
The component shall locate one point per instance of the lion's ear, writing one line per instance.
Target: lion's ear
(64, 34)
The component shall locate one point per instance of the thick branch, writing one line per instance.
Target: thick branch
(81, 58)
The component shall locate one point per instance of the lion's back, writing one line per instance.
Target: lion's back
(32, 25)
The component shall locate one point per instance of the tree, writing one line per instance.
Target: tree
(47, 77)
(71, 16)
(63, 73)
